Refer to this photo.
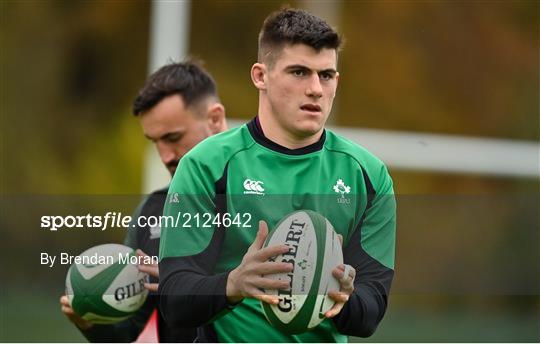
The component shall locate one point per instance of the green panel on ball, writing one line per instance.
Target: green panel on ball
(88, 294)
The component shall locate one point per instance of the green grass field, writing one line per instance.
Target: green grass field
(456, 326)
(32, 316)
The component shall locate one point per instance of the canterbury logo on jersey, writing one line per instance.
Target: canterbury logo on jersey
(253, 187)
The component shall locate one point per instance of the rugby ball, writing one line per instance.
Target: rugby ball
(315, 251)
(103, 286)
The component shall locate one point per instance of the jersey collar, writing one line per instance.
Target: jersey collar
(257, 133)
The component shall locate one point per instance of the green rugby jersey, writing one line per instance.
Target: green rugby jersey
(245, 177)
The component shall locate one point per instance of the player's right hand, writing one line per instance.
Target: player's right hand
(72, 316)
(248, 279)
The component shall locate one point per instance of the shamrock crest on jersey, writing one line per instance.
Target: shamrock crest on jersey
(341, 188)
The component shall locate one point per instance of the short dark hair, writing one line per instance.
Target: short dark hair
(187, 79)
(293, 26)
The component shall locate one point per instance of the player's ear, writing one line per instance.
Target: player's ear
(216, 118)
(337, 82)
(258, 73)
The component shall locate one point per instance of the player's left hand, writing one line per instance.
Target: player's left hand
(151, 269)
(72, 316)
(345, 274)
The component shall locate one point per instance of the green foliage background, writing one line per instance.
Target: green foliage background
(69, 71)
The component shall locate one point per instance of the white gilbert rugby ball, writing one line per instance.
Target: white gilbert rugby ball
(315, 251)
(103, 286)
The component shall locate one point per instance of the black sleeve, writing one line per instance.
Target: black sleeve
(124, 331)
(365, 309)
(191, 295)
(366, 306)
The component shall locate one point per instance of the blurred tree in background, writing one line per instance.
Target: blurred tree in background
(70, 71)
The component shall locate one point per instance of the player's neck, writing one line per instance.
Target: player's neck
(275, 133)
